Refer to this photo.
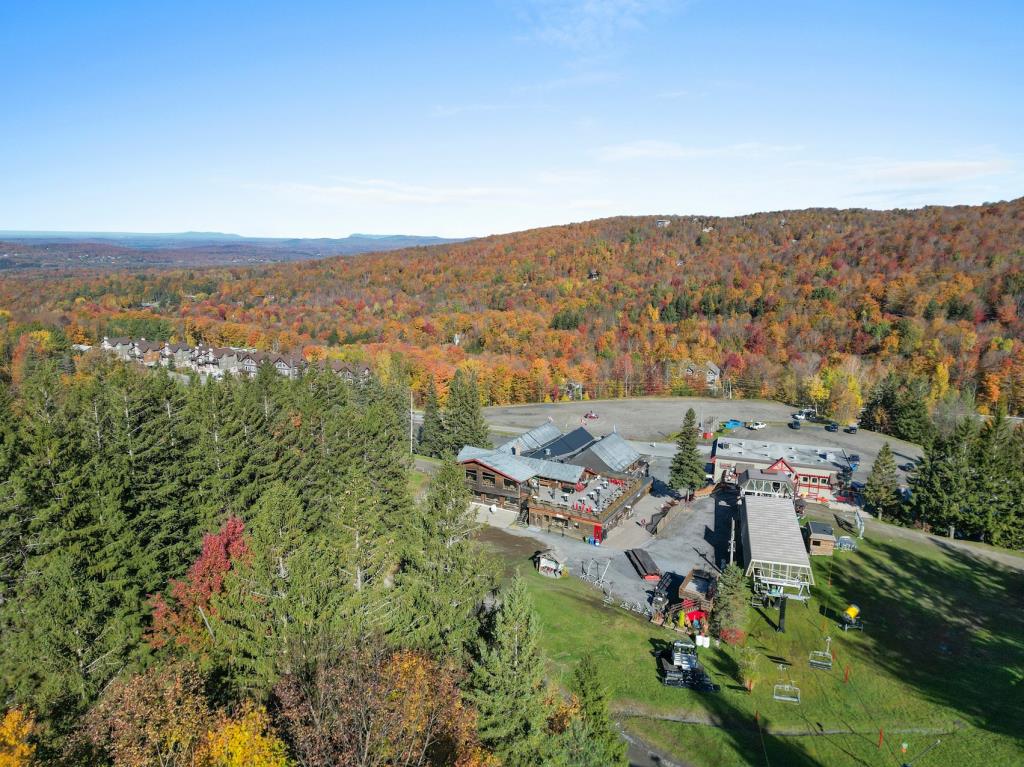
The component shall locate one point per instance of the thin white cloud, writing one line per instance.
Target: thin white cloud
(916, 172)
(570, 81)
(587, 24)
(670, 150)
(388, 192)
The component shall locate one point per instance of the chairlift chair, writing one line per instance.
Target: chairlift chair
(785, 692)
(822, 659)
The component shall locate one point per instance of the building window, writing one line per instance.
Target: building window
(471, 475)
(509, 484)
(488, 478)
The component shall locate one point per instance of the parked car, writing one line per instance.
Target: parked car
(854, 458)
(851, 429)
(794, 424)
(908, 466)
(799, 416)
(833, 426)
(756, 425)
(732, 423)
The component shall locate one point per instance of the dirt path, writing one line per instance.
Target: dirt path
(705, 720)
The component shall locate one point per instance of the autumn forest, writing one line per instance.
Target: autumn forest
(809, 306)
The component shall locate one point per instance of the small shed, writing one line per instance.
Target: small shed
(548, 564)
(821, 540)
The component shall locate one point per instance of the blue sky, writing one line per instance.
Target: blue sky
(458, 119)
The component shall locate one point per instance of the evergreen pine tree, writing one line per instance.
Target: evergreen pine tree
(603, 744)
(13, 511)
(881, 492)
(991, 486)
(279, 596)
(432, 435)
(68, 629)
(464, 422)
(910, 419)
(506, 683)
(1012, 534)
(729, 618)
(446, 575)
(941, 488)
(687, 470)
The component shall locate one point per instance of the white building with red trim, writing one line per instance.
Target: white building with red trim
(813, 470)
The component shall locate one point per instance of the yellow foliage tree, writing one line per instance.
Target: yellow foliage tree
(246, 740)
(15, 730)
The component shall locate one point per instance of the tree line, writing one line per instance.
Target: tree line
(969, 483)
(237, 573)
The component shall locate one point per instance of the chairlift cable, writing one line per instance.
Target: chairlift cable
(863, 705)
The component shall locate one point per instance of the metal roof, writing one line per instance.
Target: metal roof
(469, 453)
(772, 533)
(563, 472)
(507, 464)
(565, 446)
(612, 451)
(520, 468)
(752, 473)
(804, 456)
(534, 439)
(820, 528)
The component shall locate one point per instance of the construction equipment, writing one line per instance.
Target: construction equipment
(680, 668)
(850, 619)
(785, 692)
(822, 659)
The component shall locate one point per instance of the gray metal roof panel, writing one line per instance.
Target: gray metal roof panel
(534, 439)
(519, 467)
(507, 464)
(562, 472)
(773, 532)
(820, 528)
(566, 445)
(615, 452)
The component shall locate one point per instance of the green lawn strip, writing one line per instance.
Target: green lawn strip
(742, 748)
(943, 645)
(418, 482)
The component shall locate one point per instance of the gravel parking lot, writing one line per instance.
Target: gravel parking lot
(656, 419)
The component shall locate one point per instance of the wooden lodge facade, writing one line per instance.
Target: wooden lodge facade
(583, 498)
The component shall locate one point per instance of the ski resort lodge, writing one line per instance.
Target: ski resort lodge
(574, 482)
(802, 471)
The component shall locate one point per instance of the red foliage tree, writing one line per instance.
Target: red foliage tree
(180, 619)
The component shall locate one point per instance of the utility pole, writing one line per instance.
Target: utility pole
(411, 438)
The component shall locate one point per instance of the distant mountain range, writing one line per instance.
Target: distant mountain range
(55, 250)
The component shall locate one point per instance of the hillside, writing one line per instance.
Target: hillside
(815, 304)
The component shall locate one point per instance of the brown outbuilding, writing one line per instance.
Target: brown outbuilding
(820, 538)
